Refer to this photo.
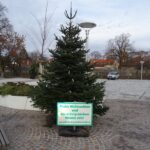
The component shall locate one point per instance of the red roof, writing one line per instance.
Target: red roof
(102, 61)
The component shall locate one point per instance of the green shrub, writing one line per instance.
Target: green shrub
(17, 89)
(33, 71)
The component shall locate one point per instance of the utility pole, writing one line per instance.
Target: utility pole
(141, 62)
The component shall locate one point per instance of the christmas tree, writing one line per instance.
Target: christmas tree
(68, 77)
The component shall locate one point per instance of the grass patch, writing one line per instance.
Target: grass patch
(16, 89)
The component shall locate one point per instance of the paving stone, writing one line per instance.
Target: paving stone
(125, 126)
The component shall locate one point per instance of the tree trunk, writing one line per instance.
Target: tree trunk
(2, 73)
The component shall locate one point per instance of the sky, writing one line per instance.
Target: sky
(112, 18)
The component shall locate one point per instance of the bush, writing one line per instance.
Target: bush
(33, 71)
(17, 89)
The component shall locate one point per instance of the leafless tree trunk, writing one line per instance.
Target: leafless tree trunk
(44, 32)
(5, 31)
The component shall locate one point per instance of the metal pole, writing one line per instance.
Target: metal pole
(141, 70)
(87, 42)
(142, 62)
(87, 26)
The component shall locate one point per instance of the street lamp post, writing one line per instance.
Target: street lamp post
(141, 62)
(87, 31)
(87, 26)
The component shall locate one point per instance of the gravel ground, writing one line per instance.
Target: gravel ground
(126, 126)
(127, 89)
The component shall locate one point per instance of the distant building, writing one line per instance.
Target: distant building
(102, 62)
(142, 54)
(136, 57)
(107, 64)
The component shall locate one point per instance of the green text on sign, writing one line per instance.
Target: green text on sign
(74, 114)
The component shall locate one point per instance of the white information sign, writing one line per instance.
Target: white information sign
(74, 114)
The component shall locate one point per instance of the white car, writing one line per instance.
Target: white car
(113, 75)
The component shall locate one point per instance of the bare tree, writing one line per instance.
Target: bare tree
(119, 48)
(34, 56)
(5, 28)
(12, 45)
(96, 55)
(5, 32)
(43, 37)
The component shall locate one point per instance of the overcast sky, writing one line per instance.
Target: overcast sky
(113, 17)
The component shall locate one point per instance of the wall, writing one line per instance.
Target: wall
(125, 73)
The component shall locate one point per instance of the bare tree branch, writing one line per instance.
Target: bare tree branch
(44, 31)
(119, 48)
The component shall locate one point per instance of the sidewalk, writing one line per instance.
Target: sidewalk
(26, 80)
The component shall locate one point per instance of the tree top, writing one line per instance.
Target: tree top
(71, 15)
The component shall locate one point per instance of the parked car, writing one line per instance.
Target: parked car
(113, 75)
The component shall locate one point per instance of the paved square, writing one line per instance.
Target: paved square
(126, 126)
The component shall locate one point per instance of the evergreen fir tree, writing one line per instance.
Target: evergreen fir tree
(68, 77)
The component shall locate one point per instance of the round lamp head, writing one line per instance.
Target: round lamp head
(87, 25)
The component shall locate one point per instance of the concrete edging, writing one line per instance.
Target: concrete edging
(17, 102)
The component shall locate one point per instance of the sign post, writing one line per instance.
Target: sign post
(141, 62)
(74, 114)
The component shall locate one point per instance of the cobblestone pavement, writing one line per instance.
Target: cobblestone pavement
(126, 126)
